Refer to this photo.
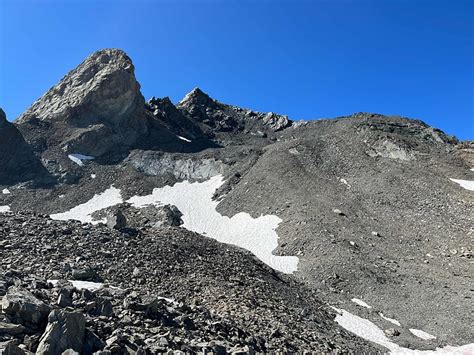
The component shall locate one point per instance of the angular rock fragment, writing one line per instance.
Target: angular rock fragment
(65, 331)
(23, 307)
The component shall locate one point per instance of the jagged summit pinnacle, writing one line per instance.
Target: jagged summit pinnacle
(195, 96)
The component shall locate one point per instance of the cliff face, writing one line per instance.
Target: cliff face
(94, 109)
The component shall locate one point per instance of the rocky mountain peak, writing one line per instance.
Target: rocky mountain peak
(99, 101)
(103, 87)
(196, 97)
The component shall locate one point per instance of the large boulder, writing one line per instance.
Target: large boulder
(10, 348)
(23, 307)
(116, 220)
(96, 108)
(17, 161)
(65, 330)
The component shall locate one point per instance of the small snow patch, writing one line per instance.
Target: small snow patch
(391, 320)
(4, 209)
(344, 181)
(78, 158)
(93, 176)
(467, 184)
(364, 329)
(83, 212)
(82, 285)
(6, 192)
(360, 303)
(184, 139)
(369, 331)
(421, 334)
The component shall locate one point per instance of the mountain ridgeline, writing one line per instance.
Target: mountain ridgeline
(367, 207)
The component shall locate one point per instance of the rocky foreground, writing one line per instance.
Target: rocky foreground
(142, 292)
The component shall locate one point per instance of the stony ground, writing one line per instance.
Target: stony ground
(170, 290)
(404, 243)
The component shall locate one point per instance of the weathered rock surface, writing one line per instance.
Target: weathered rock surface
(65, 330)
(23, 307)
(10, 348)
(17, 161)
(217, 117)
(116, 219)
(95, 108)
(141, 218)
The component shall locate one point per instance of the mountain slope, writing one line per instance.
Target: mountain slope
(370, 207)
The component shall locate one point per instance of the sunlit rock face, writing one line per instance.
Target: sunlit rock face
(93, 109)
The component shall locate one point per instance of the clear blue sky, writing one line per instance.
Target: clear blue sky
(307, 59)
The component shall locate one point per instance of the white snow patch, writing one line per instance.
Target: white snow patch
(194, 200)
(4, 209)
(421, 334)
(364, 329)
(467, 184)
(360, 303)
(369, 331)
(93, 176)
(109, 197)
(344, 181)
(78, 158)
(184, 139)
(80, 285)
(6, 192)
(391, 320)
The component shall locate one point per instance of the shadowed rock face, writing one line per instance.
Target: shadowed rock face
(17, 161)
(218, 117)
(95, 108)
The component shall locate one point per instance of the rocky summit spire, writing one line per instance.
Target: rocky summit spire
(195, 97)
(101, 97)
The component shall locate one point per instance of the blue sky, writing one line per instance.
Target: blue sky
(307, 59)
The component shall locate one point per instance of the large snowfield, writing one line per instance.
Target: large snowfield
(194, 200)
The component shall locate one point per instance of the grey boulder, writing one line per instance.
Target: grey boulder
(24, 307)
(116, 220)
(65, 332)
